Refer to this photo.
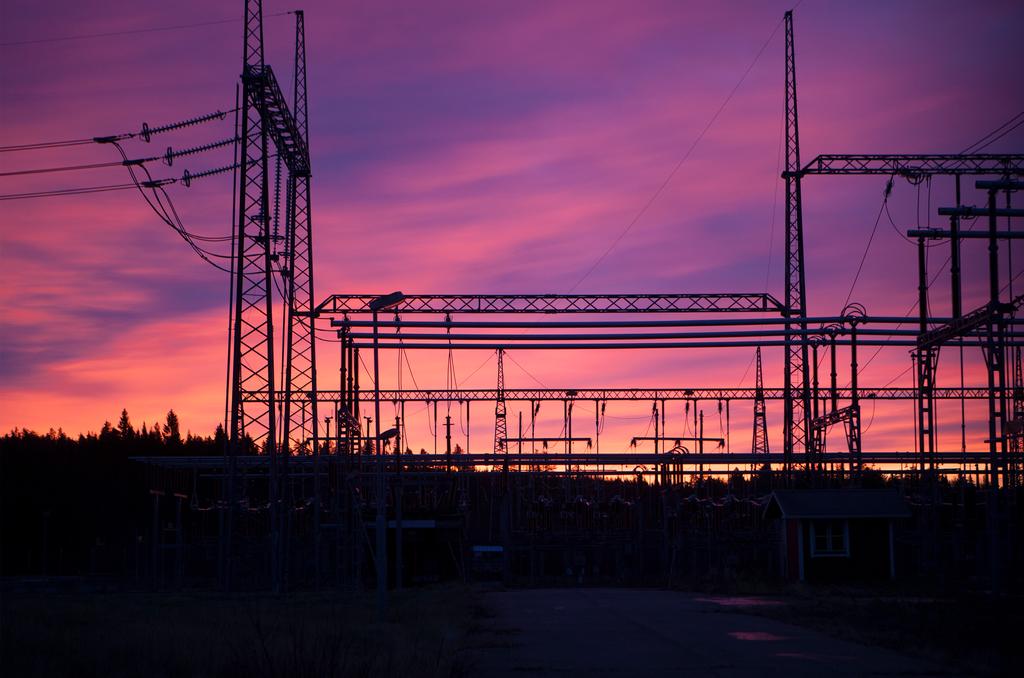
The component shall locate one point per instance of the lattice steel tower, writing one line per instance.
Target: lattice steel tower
(300, 417)
(760, 442)
(266, 117)
(797, 389)
(252, 359)
(500, 425)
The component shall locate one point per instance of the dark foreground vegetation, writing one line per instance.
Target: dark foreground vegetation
(253, 636)
(69, 503)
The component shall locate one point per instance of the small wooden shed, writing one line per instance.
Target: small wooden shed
(836, 536)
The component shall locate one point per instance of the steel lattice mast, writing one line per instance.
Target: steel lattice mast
(300, 416)
(760, 441)
(252, 350)
(266, 117)
(500, 425)
(797, 400)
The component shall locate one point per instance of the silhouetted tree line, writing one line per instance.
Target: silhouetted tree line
(79, 505)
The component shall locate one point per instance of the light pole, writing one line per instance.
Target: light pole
(376, 305)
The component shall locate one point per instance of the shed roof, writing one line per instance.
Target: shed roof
(841, 503)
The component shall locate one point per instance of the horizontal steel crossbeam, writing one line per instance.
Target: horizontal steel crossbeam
(559, 303)
(915, 165)
(632, 460)
(622, 394)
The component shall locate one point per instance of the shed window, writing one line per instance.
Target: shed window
(830, 538)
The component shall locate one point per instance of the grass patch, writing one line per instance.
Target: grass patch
(220, 636)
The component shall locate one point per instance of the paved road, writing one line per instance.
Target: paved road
(629, 632)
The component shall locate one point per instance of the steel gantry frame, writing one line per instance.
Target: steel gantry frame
(269, 422)
(266, 117)
(796, 392)
(991, 321)
(797, 407)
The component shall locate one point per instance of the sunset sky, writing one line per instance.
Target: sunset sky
(486, 147)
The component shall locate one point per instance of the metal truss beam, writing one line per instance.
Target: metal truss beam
(625, 394)
(967, 324)
(287, 132)
(915, 165)
(633, 460)
(559, 303)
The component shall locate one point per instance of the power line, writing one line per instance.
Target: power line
(526, 371)
(67, 168)
(45, 145)
(167, 213)
(985, 141)
(682, 160)
(146, 133)
(871, 238)
(65, 191)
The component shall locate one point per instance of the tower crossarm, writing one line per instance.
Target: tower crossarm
(282, 127)
(915, 165)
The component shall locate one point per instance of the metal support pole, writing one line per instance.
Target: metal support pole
(382, 545)
(854, 430)
(448, 443)
(954, 267)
